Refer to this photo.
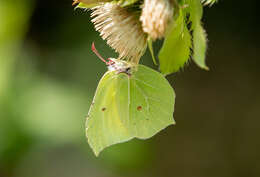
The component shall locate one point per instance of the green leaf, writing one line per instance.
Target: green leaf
(200, 46)
(176, 48)
(195, 10)
(127, 107)
(150, 46)
(85, 6)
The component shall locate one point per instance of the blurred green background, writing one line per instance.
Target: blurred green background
(48, 76)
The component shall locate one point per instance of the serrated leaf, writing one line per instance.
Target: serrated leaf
(200, 46)
(176, 48)
(195, 10)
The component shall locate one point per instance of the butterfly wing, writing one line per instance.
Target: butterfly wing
(151, 103)
(106, 119)
(125, 107)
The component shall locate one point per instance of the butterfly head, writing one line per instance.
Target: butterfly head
(113, 64)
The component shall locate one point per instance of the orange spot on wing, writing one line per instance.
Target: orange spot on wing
(139, 108)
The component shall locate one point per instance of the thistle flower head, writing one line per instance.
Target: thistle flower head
(122, 30)
(156, 17)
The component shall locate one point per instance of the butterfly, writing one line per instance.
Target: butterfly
(131, 101)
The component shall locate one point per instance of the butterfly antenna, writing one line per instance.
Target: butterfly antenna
(96, 52)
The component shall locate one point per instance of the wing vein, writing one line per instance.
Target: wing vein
(145, 97)
(145, 83)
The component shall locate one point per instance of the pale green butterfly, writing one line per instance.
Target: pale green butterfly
(131, 101)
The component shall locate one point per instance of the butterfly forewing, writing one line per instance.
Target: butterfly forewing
(105, 123)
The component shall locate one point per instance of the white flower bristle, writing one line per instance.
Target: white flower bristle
(122, 30)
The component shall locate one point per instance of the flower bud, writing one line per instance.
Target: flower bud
(156, 17)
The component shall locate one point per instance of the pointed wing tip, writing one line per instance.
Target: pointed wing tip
(96, 153)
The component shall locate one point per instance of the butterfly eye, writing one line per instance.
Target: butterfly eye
(103, 109)
(139, 108)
